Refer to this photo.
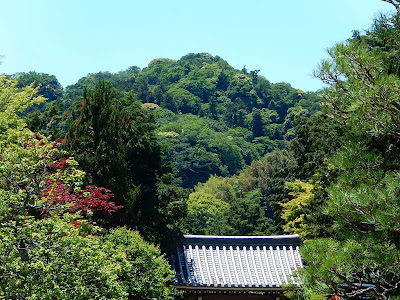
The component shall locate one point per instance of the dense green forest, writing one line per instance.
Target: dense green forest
(119, 162)
(212, 118)
(190, 126)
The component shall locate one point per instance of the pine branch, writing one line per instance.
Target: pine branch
(395, 3)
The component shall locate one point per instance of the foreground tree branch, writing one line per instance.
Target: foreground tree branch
(395, 3)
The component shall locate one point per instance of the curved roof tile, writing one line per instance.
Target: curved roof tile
(237, 261)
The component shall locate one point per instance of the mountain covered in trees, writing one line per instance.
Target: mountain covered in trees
(195, 146)
(212, 118)
(179, 125)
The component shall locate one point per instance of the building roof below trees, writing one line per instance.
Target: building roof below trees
(237, 264)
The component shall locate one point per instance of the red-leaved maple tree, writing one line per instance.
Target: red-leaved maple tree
(56, 191)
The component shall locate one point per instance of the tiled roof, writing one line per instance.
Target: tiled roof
(262, 262)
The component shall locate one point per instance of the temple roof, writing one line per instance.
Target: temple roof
(232, 262)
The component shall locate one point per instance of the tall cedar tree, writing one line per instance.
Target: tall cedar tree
(113, 140)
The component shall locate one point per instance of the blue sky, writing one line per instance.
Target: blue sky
(285, 40)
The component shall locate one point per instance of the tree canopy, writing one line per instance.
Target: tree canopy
(50, 247)
(114, 141)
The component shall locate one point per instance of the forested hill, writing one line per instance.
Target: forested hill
(214, 119)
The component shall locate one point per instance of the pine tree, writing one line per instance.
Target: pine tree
(360, 257)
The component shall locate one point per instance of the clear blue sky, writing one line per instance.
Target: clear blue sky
(71, 38)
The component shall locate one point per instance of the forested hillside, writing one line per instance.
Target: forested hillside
(195, 123)
(214, 119)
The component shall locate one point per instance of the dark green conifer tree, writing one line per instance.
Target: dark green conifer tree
(113, 140)
(257, 124)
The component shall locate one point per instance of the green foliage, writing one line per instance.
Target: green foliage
(360, 254)
(97, 141)
(79, 262)
(199, 84)
(184, 101)
(248, 215)
(201, 147)
(316, 138)
(146, 273)
(13, 102)
(48, 85)
(48, 120)
(204, 85)
(221, 188)
(46, 252)
(292, 211)
(114, 142)
(243, 213)
(213, 119)
(122, 80)
(207, 215)
(332, 263)
(46, 117)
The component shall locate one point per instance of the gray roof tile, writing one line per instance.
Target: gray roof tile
(237, 261)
